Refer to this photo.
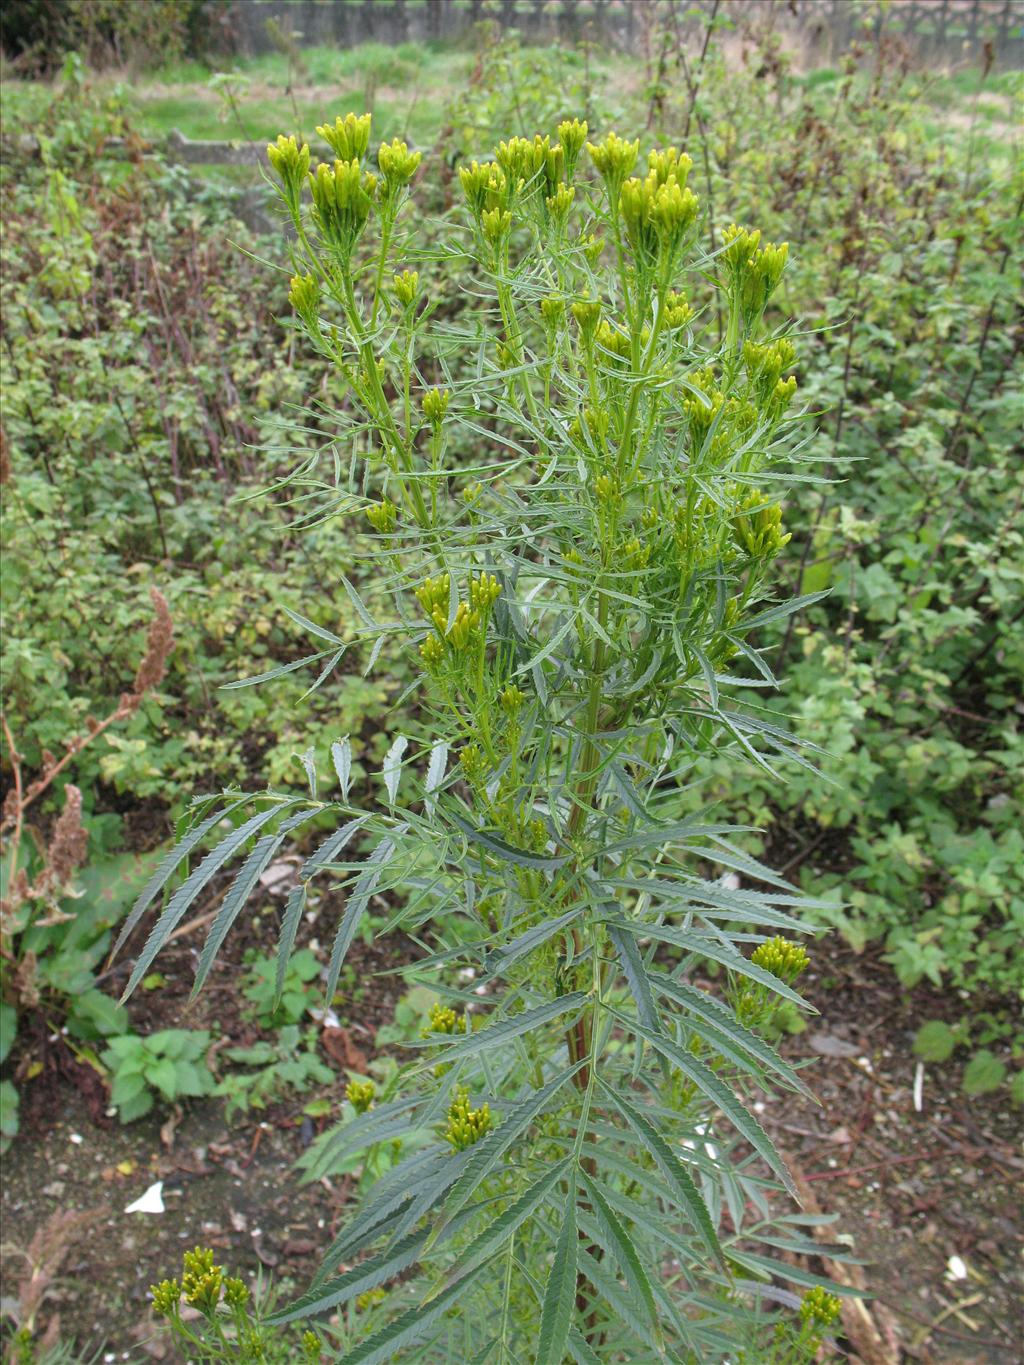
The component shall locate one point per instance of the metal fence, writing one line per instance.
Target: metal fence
(934, 30)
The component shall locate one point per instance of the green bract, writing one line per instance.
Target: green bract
(579, 593)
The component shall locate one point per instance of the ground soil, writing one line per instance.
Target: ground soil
(911, 1188)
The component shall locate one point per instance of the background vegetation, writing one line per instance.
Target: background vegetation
(143, 404)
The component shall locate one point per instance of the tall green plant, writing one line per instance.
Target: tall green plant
(581, 1174)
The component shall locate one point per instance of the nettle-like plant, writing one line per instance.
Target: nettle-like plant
(579, 1175)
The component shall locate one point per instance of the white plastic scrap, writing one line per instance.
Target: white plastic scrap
(956, 1269)
(151, 1202)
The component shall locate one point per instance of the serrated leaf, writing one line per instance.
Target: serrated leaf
(435, 774)
(532, 938)
(368, 1275)
(672, 1169)
(720, 1094)
(983, 1073)
(506, 852)
(934, 1041)
(383, 1345)
(506, 1029)
(308, 760)
(501, 1229)
(241, 888)
(278, 672)
(392, 769)
(319, 631)
(716, 952)
(560, 1290)
(353, 912)
(341, 757)
(359, 604)
(169, 866)
(616, 1239)
(190, 889)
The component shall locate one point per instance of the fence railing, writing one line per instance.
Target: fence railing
(934, 30)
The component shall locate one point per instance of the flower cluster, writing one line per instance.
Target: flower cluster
(360, 1095)
(660, 209)
(820, 1307)
(782, 958)
(757, 526)
(754, 270)
(465, 1125)
(443, 1019)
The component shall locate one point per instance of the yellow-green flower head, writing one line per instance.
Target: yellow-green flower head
(606, 488)
(397, 164)
(236, 1292)
(523, 158)
(311, 1345)
(511, 698)
(559, 203)
(668, 164)
(432, 653)
(472, 763)
(342, 197)
(740, 245)
(552, 310)
(572, 134)
(677, 311)
(406, 287)
(201, 1281)
(587, 313)
(463, 629)
(166, 1296)
(614, 159)
(611, 340)
(360, 1095)
(553, 166)
(758, 530)
(290, 163)
(820, 1307)
(443, 1019)
(782, 958)
(465, 1125)
(485, 186)
(304, 297)
(484, 591)
(495, 224)
(382, 516)
(657, 215)
(591, 245)
(433, 593)
(348, 137)
(435, 406)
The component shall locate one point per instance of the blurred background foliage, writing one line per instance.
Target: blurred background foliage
(151, 385)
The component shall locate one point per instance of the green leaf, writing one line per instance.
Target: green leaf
(383, 1345)
(506, 1029)
(506, 852)
(358, 901)
(673, 1170)
(239, 892)
(169, 866)
(278, 672)
(497, 1233)
(615, 1238)
(719, 1093)
(714, 951)
(934, 1041)
(341, 756)
(983, 1074)
(392, 769)
(486, 1153)
(8, 1029)
(368, 1275)
(190, 889)
(560, 1291)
